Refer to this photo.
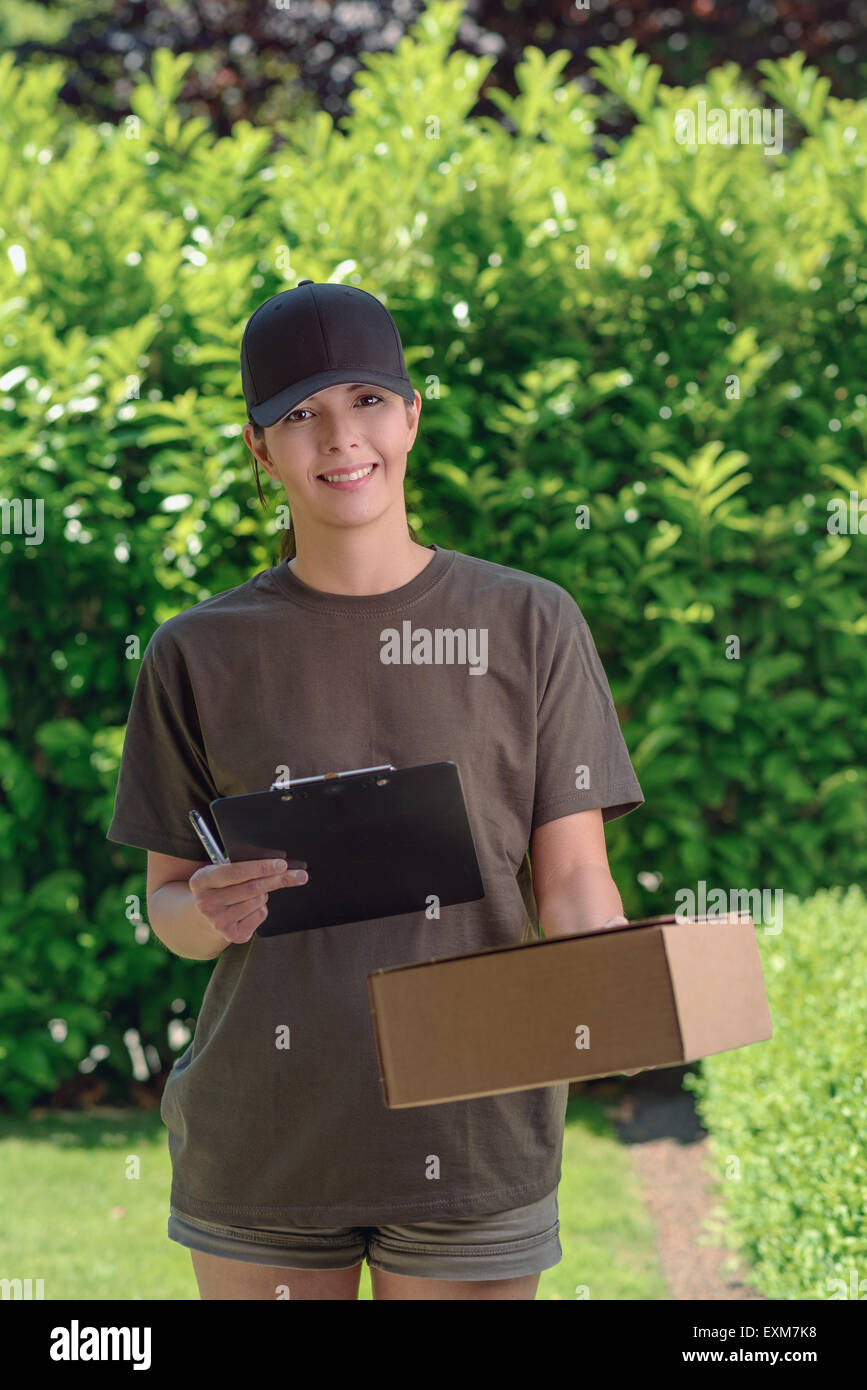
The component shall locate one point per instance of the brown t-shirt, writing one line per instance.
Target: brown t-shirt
(275, 673)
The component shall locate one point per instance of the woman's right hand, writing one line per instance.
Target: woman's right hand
(233, 898)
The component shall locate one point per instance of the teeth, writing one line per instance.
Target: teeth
(347, 477)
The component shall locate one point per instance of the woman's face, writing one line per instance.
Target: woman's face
(340, 430)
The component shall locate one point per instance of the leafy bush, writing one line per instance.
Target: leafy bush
(787, 1118)
(695, 378)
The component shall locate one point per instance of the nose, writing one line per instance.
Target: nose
(338, 433)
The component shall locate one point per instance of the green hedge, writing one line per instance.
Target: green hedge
(698, 385)
(788, 1119)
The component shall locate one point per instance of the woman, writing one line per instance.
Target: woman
(288, 1168)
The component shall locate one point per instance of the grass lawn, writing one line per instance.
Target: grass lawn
(87, 1193)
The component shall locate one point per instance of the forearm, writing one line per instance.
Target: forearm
(579, 901)
(177, 923)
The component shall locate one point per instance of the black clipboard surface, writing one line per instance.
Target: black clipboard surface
(375, 844)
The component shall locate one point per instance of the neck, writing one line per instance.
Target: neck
(360, 570)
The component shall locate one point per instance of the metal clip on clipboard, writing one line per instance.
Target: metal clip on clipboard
(327, 776)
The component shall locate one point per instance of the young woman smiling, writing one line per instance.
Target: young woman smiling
(288, 1169)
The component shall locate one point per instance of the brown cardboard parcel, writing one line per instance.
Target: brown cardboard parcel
(655, 993)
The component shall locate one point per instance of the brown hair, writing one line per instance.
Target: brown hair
(287, 542)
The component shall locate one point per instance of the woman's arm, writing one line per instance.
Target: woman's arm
(572, 882)
(174, 918)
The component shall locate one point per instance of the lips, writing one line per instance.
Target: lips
(351, 484)
(340, 471)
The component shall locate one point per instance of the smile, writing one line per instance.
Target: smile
(343, 480)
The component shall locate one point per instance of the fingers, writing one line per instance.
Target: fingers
(236, 883)
(233, 898)
(253, 888)
(244, 928)
(223, 875)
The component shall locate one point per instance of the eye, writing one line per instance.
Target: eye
(302, 409)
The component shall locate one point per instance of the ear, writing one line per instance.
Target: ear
(256, 446)
(414, 426)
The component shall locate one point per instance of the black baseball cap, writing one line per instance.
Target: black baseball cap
(317, 335)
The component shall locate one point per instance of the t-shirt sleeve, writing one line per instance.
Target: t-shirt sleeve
(581, 758)
(164, 771)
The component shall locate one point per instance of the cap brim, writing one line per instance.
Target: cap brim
(269, 412)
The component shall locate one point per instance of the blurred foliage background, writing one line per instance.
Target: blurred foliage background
(260, 60)
(597, 316)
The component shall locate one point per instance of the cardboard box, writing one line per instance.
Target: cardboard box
(655, 993)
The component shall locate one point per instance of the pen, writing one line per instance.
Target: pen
(215, 854)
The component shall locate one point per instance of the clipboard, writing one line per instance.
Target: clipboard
(377, 842)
